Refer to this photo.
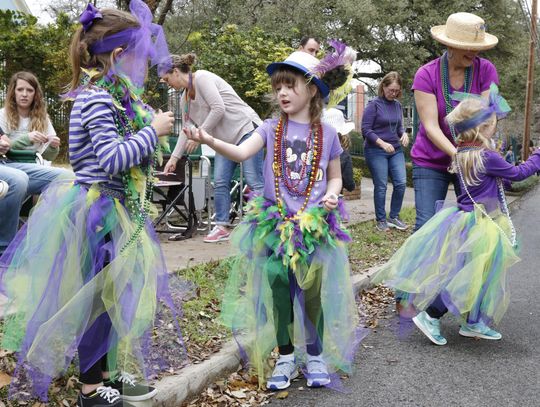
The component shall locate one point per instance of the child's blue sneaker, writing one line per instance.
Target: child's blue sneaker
(317, 372)
(479, 330)
(431, 327)
(285, 370)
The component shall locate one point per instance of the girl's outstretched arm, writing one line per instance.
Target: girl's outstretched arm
(497, 166)
(233, 152)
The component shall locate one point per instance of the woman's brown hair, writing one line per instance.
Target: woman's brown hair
(388, 79)
(38, 108)
(113, 21)
(289, 78)
(184, 62)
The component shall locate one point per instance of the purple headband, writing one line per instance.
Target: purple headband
(496, 104)
(141, 43)
(113, 41)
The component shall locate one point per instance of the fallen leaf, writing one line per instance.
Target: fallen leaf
(282, 395)
(5, 379)
(238, 394)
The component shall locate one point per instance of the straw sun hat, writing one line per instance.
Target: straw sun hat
(464, 31)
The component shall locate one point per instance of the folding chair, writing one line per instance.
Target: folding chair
(205, 156)
(174, 193)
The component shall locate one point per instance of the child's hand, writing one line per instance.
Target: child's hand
(330, 201)
(198, 135)
(163, 123)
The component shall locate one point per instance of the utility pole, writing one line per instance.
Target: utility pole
(530, 82)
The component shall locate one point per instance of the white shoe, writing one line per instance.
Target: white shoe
(285, 370)
(317, 372)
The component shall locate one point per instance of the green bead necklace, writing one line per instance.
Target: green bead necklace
(138, 207)
(445, 78)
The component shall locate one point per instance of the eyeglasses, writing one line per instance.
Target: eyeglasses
(393, 91)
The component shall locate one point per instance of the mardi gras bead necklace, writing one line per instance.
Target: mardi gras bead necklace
(504, 204)
(187, 98)
(138, 199)
(391, 124)
(445, 78)
(281, 172)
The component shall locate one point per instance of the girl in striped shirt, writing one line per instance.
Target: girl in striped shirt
(100, 270)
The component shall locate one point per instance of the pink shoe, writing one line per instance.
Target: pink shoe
(217, 234)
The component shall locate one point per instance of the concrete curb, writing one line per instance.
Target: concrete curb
(176, 389)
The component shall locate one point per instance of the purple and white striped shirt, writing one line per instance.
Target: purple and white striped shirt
(96, 153)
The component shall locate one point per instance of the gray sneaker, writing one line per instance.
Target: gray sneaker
(397, 223)
(382, 226)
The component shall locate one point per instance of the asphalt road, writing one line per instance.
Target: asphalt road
(397, 370)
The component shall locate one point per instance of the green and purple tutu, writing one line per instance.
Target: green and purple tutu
(290, 284)
(75, 277)
(461, 257)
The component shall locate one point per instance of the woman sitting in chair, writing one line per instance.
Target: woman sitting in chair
(26, 125)
(24, 117)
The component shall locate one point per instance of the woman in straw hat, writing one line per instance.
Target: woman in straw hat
(458, 69)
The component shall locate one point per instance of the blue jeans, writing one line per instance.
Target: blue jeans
(223, 173)
(23, 179)
(380, 164)
(430, 186)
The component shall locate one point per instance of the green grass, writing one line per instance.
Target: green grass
(523, 186)
(201, 312)
(371, 247)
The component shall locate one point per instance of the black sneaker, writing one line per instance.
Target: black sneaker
(102, 397)
(129, 389)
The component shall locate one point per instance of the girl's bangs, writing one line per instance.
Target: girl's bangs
(284, 76)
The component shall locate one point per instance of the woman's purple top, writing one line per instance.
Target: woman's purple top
(382, 119)
(428, 79)
(296, 156)
(496, 167)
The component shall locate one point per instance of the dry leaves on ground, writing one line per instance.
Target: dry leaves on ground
(373, 305)
(240, 389)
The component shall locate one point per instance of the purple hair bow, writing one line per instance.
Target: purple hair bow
(88, 16)
(495, 104)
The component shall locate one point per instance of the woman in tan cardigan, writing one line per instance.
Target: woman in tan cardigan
(210, 103)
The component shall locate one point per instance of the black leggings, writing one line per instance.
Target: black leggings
(94, 375)
(283, 295)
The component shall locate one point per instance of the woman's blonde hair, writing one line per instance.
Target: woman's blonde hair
(388, 79)
(112, 22)
(38, 108)
(470, 161)
(289, 77)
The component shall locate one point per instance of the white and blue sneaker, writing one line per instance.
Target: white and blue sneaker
(479, 330)
(285, 370)
(431, 327)
(317, 372)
